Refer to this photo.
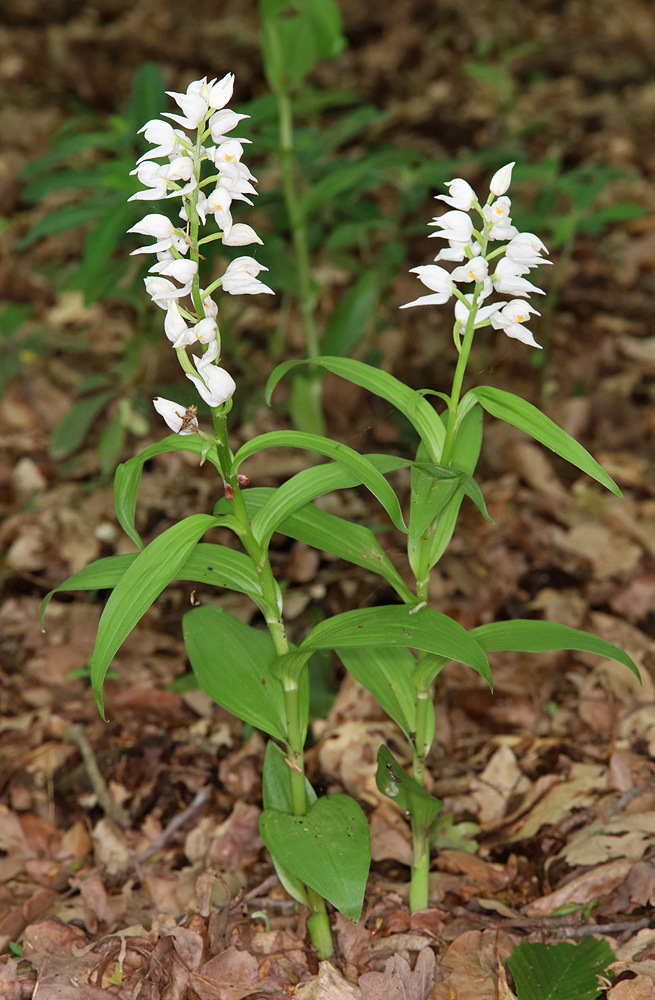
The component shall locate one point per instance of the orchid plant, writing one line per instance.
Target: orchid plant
(320, 846)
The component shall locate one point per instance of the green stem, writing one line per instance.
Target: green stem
(462, 361)
(419, 885)
(318, 922)
(305, 406)
(307, 298)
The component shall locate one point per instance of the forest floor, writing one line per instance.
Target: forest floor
(153, 881)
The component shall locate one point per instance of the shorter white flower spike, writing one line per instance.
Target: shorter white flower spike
(179, 419)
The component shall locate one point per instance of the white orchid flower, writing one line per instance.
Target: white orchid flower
(510, 318)
(194, 109)
(460, 195)
(180, 419)
(240, 277)
(240, 235)
(455, 226)
(476, 269)
(507, 279)
(216, 385)
(163, 135)
(438, 280)
(224, 121)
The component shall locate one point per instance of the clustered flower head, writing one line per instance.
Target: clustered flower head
(500, 269)
(200, 144)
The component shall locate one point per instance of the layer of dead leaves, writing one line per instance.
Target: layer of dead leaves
(153, 882)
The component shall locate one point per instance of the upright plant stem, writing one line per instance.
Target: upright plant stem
(312, 416)
(419, 886)
(318, 922)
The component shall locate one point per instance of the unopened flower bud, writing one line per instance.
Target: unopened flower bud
(501, 180)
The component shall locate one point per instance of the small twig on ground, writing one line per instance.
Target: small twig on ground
(106, 800)
(201, 796)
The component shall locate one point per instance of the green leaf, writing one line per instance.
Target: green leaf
(562, 971)
(233, 662)
(207, 563)
(99, 575)
(329, 849)
(514, 410)
(327, 532)
(351, 459)
(276, 787)
(433, 486)
(530, 636)
(387, 673)
(140, 585)
(69, 432)
(394, 782)
(128, 477)
(465, 457)
(392, 627)
(410, 402)
(60, 220)
(354, 310)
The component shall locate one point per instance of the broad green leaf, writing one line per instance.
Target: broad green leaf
(514, 410)
(353, 312)
(128, 477)
(387, 673)
(329, 849)
(140, 585)
(465, 457)
(530, 636)
(276, 788)
(394, 781)
(561, 971)
(351, 459)
(69, 432)
(394, 626)
(232, 662)
(410, 402)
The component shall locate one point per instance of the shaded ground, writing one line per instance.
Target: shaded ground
(165, 890)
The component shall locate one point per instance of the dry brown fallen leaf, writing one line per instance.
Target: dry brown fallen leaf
(399, 981)
(473, 959)
(592, 884)
(328, 985)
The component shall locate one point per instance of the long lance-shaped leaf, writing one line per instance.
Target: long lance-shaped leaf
(304, 487)
(341, 453)
(524, 635)
(140, 585)
(514, 410)
(330, 533)
(410, 402)
(207, 563)
(391, 626)
(128, 476)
